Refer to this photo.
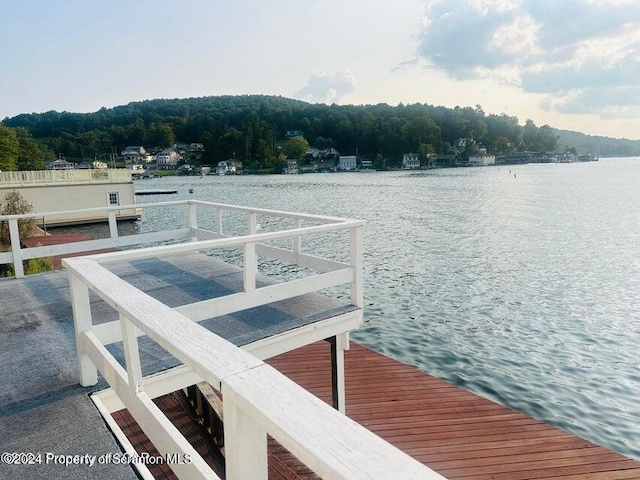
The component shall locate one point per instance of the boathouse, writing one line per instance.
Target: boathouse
(65, 190)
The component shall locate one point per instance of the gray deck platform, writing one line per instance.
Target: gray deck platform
(42, 406)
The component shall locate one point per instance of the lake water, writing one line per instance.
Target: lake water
(519, 283)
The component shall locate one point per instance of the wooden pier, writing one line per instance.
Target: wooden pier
(456, 433)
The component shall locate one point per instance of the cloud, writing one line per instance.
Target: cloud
(328, 88)
(583, 54)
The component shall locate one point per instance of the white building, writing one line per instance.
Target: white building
(228, 166)
(410, 161)
(61, 164)
(347, 162)
(134, 154)
(168, 160)
(481, 160)
(57, 191)
(292, 167)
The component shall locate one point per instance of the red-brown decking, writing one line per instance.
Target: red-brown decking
(58, 239)
(456, 433)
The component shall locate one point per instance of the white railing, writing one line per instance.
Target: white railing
(214, 214)
(257, 399)
(48, 177)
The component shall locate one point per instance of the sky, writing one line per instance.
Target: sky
(571, 64)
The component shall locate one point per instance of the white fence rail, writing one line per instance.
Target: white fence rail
(56, 177)
(257, 399)
(18, 253)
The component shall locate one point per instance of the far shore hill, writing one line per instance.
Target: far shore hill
(263, 132)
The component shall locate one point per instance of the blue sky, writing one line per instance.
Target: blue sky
(574, 64)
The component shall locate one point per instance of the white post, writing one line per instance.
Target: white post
(297, 241)
(131, 354)
(113, 224)
(82, 320)
(193, 221)
(339, 344)
(245, 445)
(250, 266)
(16, 249)
(250, 256)
(357, 292)
(219, 220)
(252, 223)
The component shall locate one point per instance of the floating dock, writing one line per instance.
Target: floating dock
(155, 192)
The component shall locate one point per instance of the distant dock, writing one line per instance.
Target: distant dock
(156, 192)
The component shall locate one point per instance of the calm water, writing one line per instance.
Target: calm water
(519, 283)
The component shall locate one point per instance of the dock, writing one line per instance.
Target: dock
(156, 192)
(270, 356)
(456, 433)
(61, 239)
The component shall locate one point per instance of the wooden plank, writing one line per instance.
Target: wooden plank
(304, 424)
(458, 434)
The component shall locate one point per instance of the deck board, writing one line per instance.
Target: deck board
(453, 431)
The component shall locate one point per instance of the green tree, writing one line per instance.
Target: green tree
(296, 147)
(31, 156)
(160, 135)
(547, 139)
(15, 204)
(9, 148)
(530, 135)
(424, 152)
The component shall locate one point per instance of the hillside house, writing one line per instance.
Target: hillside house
(134, 154)
(168, 160)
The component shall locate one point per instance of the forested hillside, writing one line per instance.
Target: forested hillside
(603, 146)
(249, 127)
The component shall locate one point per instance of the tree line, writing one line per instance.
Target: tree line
(252, 128)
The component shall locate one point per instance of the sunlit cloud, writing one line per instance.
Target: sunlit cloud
(584, 55)
(328, 88)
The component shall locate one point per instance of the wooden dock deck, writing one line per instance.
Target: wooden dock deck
(456, 433)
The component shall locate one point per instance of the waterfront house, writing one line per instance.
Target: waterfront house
(482, 159)
(366, 165)
(292, 167)
(61, 164)
(347, 162)
(168, 159)
(99, 165)
(228, 166)
(410, 161)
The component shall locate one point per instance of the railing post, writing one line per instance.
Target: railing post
(250, 266)
(339, 344)
(193, 221)
(250, 256)
(16, 249)
(297, 240)
(245, 444)
(219, 220)
(113, 224)
(252, 223)
(357, 293)
(131, 353)
(82, 320)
